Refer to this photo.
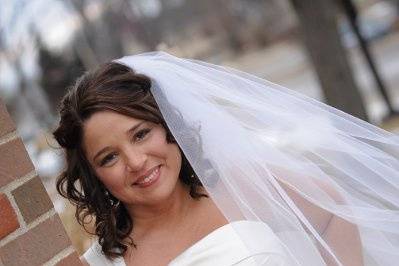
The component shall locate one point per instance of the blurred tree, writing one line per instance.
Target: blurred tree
(230, 23)
(322, 40)
(83, 39)
(99, 40)
(352, 15)
(58, 72)
(27, 102)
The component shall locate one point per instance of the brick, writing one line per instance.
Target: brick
(36, 246)
(6, 124)
(32, 199)
(9, 222)
(72, 259)
(14, 161)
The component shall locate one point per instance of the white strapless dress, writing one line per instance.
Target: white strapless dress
(221, 247)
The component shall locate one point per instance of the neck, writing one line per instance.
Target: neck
(163, 215)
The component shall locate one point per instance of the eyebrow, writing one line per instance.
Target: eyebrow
(131, 130)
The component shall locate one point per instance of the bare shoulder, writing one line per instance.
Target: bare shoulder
(318, 217)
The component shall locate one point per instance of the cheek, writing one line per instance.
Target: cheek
(160, 146)
(175, 157)
(170, 152)
(111, 178)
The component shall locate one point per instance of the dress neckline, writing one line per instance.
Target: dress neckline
(204, 238)
(195, 244)
(215, 239)
(226, 232)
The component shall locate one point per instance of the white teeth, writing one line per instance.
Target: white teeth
(150, 177)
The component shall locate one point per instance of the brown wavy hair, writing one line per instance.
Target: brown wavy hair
(112, 87)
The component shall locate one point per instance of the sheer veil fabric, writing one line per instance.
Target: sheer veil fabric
(249, 139)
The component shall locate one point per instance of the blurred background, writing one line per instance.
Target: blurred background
(342, 52)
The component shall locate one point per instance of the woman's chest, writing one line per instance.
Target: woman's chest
(162, 247)
(156, 253)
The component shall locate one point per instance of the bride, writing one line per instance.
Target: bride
(181, 162)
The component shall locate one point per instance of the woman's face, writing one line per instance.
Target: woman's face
(132, 157)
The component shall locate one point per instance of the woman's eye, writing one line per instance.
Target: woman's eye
(141, 134)
(107, 159)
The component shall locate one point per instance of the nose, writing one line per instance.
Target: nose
(135, 160)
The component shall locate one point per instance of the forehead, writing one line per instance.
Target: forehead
(108, 119)
(104, 127)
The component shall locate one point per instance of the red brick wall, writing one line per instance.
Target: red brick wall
(31, 233)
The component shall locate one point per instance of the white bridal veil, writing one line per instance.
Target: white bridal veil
(251, 142)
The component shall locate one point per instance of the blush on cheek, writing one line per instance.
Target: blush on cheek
(108, 179)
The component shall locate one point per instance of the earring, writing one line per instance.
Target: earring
(113, 201)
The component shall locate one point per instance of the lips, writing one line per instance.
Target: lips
(149, 178)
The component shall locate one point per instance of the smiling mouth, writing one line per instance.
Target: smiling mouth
(149, 179)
